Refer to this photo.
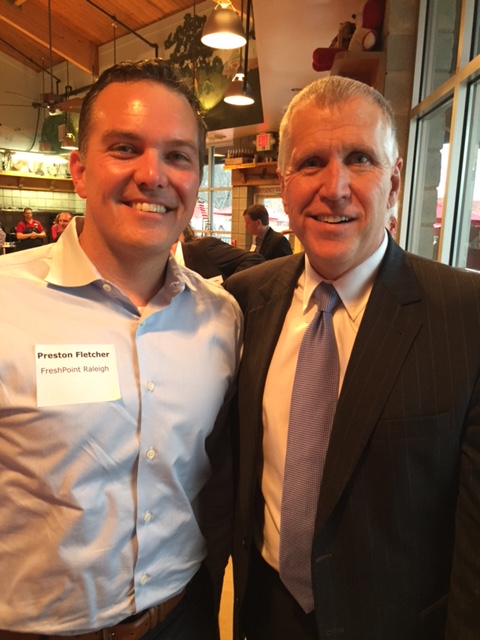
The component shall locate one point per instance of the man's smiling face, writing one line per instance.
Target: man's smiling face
(140, 174)
(341, 177)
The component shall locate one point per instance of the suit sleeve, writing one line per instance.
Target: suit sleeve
(230, 260)
(463, 620)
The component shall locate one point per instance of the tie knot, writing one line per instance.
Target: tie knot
(326, 296)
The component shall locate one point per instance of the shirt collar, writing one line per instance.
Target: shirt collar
(354, 287)
(179, 256)
(70, 267)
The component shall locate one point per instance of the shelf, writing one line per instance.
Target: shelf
(19, 180)
(254, 174)
(245, 165)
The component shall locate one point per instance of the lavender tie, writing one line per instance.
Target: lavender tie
(312, 408)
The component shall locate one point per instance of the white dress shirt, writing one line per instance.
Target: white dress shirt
(354, 290)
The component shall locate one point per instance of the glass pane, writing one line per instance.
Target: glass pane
(428, 191)
(476, 31)
(277, 217)
(204, 182)
(220, 177)
(467, 245)
(441, 43)
(222, 212)
(199, 219)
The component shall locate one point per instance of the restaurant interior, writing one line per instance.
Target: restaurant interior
(423, 55)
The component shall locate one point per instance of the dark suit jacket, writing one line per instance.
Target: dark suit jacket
(397, 533)
(274, 245)
(210, 257)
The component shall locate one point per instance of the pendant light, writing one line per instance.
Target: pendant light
(240, 92)
(223, 28)
(69, 142)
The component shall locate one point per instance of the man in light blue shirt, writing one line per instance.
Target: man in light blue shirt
(114, 457)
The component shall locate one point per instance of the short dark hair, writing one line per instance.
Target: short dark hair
(257, 212)
(189, 233)
(157, 70)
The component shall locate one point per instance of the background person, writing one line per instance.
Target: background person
(61, 222)
(391, 552)
(29, 232)
(115, 518)
(268, 243)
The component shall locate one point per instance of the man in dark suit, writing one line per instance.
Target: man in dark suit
(394, 542)
(269, 243)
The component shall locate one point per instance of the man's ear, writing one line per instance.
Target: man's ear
(77, 171)
(395, 180)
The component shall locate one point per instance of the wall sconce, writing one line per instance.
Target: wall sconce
(223, 28)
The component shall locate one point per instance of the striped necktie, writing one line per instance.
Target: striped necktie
(312, 408)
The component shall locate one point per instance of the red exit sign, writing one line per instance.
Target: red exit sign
(264, 141)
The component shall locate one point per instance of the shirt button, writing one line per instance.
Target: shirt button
(150, 386)
(150, 455)
(147, 516)
(144, 579)
(107, 287)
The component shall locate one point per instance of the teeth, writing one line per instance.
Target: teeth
(333, 219)
(151, 208)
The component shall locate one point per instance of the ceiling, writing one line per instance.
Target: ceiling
(40, 34)
(78, 27)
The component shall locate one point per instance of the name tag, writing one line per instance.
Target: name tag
(76, 374)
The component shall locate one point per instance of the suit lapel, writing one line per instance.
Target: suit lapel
(264, 323)
(389, 326)
(266, 242)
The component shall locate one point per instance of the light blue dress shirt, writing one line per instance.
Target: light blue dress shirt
(98, 515)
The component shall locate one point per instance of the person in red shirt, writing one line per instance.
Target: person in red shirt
(30, 232)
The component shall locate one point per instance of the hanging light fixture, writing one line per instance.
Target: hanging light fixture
(223, 28)
(240, 92)
(69, 142)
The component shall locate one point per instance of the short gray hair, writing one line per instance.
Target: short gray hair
(329, 92)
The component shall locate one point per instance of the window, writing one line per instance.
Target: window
(441, 43)
(442, 195)
(277, 217)
(213, 211)
(429, 181)
(467, 227)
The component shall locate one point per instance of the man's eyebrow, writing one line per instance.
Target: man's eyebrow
(131, 136)
(110, 134)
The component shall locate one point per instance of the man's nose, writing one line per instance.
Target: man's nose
(335, 181)
(151, 170)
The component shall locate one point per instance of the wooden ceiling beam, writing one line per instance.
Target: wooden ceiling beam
(31, 22)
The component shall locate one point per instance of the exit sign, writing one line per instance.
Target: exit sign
(264, 141)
